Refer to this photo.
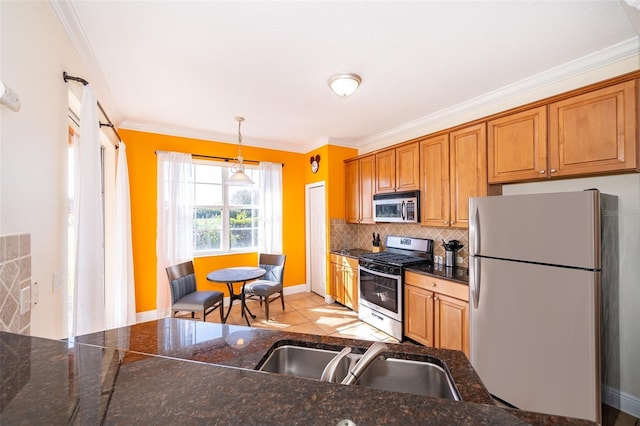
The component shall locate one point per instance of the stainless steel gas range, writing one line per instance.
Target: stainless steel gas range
(381, 281)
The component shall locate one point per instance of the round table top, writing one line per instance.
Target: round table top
(240, 273)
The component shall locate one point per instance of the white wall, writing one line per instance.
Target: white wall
(34, 52)
(627, 188)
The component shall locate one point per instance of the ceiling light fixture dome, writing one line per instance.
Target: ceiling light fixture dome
(344, 84)
(239, 177)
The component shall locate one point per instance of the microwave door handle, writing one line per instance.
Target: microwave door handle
(403, 210)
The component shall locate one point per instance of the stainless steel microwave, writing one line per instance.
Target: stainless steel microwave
(397, 207)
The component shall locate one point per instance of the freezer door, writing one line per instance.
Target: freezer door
(558, 228)
(534, 338)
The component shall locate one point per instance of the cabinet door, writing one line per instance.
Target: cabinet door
(367, 187)
(517, 147)
(350, 281)
(434, 208)
(337, 286)
(468, 162)
(352, 193)
(451, 323)
(408, 167)
(418, 315)
(595, 132)
(386, 171)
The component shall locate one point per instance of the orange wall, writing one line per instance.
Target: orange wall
(142, 161)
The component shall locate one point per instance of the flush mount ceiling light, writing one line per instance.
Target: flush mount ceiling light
(239, 177)
(344, 84)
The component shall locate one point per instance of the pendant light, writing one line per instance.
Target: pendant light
(239, 177)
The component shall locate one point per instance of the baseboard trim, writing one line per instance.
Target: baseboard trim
(153, 315)
(621, 400)
(146, 316)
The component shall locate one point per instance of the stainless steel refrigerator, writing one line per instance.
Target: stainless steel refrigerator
(535, 275)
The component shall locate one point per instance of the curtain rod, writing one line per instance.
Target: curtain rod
(225, 159)
(66, 77)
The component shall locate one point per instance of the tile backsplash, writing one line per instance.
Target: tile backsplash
(348, 236)
(15, 275)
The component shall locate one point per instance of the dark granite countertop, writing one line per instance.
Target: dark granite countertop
(174, 371)
(355, 252)
(457, 274)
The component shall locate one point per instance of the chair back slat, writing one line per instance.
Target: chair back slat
(274, 265)
(182, 286)
(180, 270)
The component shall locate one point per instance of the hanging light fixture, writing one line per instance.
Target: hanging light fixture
(344, 84)
(239, 177)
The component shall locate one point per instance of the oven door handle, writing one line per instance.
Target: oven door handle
(393, 277)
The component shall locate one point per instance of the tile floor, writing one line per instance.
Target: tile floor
(307, 313)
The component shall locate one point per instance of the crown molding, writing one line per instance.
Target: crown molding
(68, 18)
(208, 135)
(513, 93)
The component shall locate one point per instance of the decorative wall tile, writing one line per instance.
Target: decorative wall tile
(345, 235)
(15, 275)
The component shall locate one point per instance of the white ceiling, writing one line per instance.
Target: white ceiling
(189, 67)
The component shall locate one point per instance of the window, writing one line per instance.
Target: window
(225, 218)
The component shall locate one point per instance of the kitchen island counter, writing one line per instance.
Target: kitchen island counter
(174, 371)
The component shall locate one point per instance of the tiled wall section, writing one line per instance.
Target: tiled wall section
(15, 275)
(348, 236)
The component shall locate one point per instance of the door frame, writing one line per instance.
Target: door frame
(307, 189)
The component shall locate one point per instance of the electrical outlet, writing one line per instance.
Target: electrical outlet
(35, 292)
(458, 260)
(438, 259)
(25, 300)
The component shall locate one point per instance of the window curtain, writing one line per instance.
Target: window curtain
(89, 308)
(174, 236)
(121, 305)
(270, 223)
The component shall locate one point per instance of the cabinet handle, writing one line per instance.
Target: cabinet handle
(429, 297)
(446, 222)
(542, 172)
(435, 298)
(452, 222)
(433, 284)
(553, 170)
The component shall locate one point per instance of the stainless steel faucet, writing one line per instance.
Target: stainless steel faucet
(329, 372)
(375, 350)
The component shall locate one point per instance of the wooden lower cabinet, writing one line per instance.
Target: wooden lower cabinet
(436, 312)
(344, 280)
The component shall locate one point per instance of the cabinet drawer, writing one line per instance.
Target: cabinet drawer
(344, 260)
(437, 285)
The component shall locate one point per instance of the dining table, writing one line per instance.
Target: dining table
(233, 276)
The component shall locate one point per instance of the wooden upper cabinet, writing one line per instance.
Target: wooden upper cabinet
(398, 169)
(596, 132)
(408, 167)
(468, 164)
(352, 191)
(434, 202)
(386, 171)
(367, 187)
(517, 147)
(359, 189)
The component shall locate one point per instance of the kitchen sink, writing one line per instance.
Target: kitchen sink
(418, 377)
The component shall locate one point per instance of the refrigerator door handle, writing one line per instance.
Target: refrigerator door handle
(474, 231)
(474, 284)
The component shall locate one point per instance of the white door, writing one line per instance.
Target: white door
(316, 238)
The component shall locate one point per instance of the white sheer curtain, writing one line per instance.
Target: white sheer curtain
(270, 223)
(174, 237)
(121, 300)
(89, 308)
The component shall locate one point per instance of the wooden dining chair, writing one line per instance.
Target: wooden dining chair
(185, 297)
(270, 283)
